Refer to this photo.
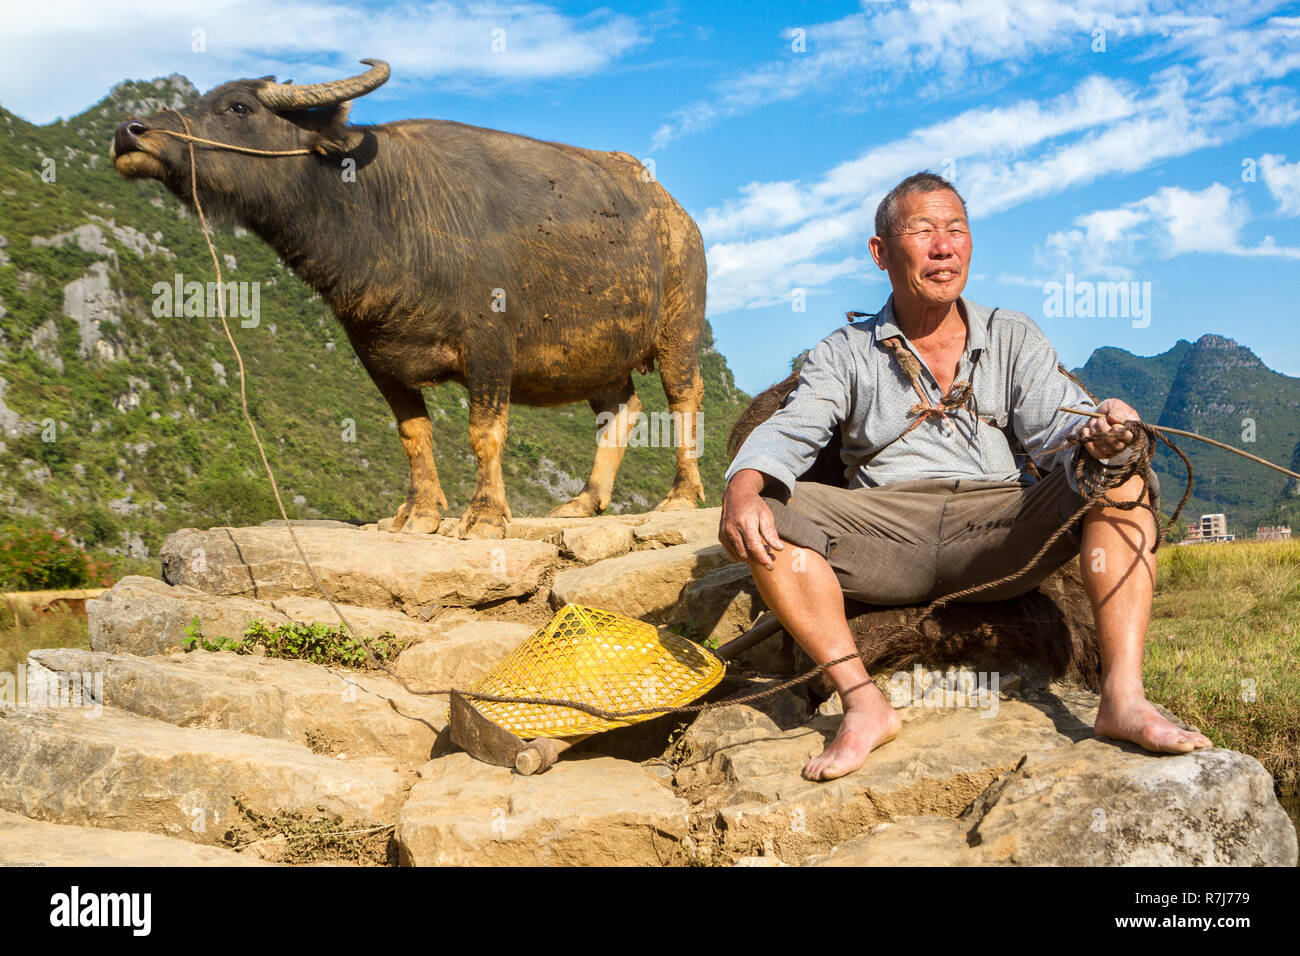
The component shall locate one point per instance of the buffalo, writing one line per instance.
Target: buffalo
(528, 271)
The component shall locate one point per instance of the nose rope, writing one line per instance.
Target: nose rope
(213, 142)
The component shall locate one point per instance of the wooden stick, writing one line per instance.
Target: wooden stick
(755, 635)
(541, 754)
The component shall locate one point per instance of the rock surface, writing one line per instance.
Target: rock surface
(140, 615)
(126, 772)
(371, 569)
(1102, 804)
(642, 584)
(982, 773)
(27, 841)
(595, 812)
(330, 711)
(461, 654)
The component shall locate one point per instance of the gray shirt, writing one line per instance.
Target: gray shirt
(850, 377)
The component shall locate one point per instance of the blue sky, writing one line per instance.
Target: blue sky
(1143, 142)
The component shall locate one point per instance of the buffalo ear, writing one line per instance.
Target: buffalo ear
(330, 129)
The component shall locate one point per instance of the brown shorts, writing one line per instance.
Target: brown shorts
(915, 541)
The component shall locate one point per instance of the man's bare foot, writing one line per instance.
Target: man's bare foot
(869, 721)
(1135, 719)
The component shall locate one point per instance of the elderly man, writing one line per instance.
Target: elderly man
(936, 499)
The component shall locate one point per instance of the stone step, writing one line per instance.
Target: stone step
(141, 615)
(24, 841)
(365, 568)
(331, 711)
(746, 763)
(651, 529)
(592, 812)
(1104, 804)
(119, 770)
(641, 584)
(1018, 781)
(460, 654)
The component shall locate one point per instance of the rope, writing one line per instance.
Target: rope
(212, 142)
(1094, 479)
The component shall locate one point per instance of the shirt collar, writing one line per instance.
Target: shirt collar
(977, 317)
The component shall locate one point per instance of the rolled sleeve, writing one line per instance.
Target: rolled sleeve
(1038, 390)
(786, 444)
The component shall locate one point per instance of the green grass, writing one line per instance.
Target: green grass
(317, 643)
(1223, 649)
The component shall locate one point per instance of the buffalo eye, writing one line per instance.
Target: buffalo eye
(240, 108)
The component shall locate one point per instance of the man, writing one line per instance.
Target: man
(937, 501)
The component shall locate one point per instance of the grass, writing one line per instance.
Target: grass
(25, 631)
(1223, 649)
(317, 643)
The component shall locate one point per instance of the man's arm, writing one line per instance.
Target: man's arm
(784, 446)
(1039, 389)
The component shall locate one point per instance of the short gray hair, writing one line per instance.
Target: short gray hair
(923, 182)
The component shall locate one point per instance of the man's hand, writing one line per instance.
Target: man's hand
(1107, 437)
(747, 528)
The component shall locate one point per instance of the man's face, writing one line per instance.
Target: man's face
(928, 258)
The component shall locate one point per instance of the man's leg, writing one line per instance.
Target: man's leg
(803, 592)
(1119, 573)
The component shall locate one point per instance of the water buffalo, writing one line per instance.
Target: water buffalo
(527, 271)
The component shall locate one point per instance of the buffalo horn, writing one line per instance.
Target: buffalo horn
(286, 96)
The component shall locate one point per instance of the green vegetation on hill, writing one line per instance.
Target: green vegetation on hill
(1221, 390)
(143, 411)
(1142, 382)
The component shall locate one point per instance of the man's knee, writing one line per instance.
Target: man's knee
(1137, 488)
(795, 527)
(792, 558)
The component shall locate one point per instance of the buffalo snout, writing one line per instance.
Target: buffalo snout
(125, 139)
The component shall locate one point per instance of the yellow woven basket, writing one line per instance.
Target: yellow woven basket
(597, 658)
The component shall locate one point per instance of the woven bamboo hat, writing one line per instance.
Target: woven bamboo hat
(598, 658)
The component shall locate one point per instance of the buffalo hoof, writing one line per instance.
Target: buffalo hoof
(577, 508)
(676, 503)
(416, 521)
(482, 523)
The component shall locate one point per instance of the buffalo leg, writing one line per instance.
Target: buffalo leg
(488, 512)
(623, 404)
(422, 510)
(680, 373)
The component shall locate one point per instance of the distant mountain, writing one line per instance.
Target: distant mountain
(1143, 382)
(144, 410)
(1220, 389)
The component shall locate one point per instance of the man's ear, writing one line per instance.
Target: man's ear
(879, 252)
(330, 130)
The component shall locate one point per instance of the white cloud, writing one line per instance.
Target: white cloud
(1283, 181)
(1002, 131)
(1172, 221)
(1002, 157)
(939, 46)
(100, 43)
(1245, 57)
